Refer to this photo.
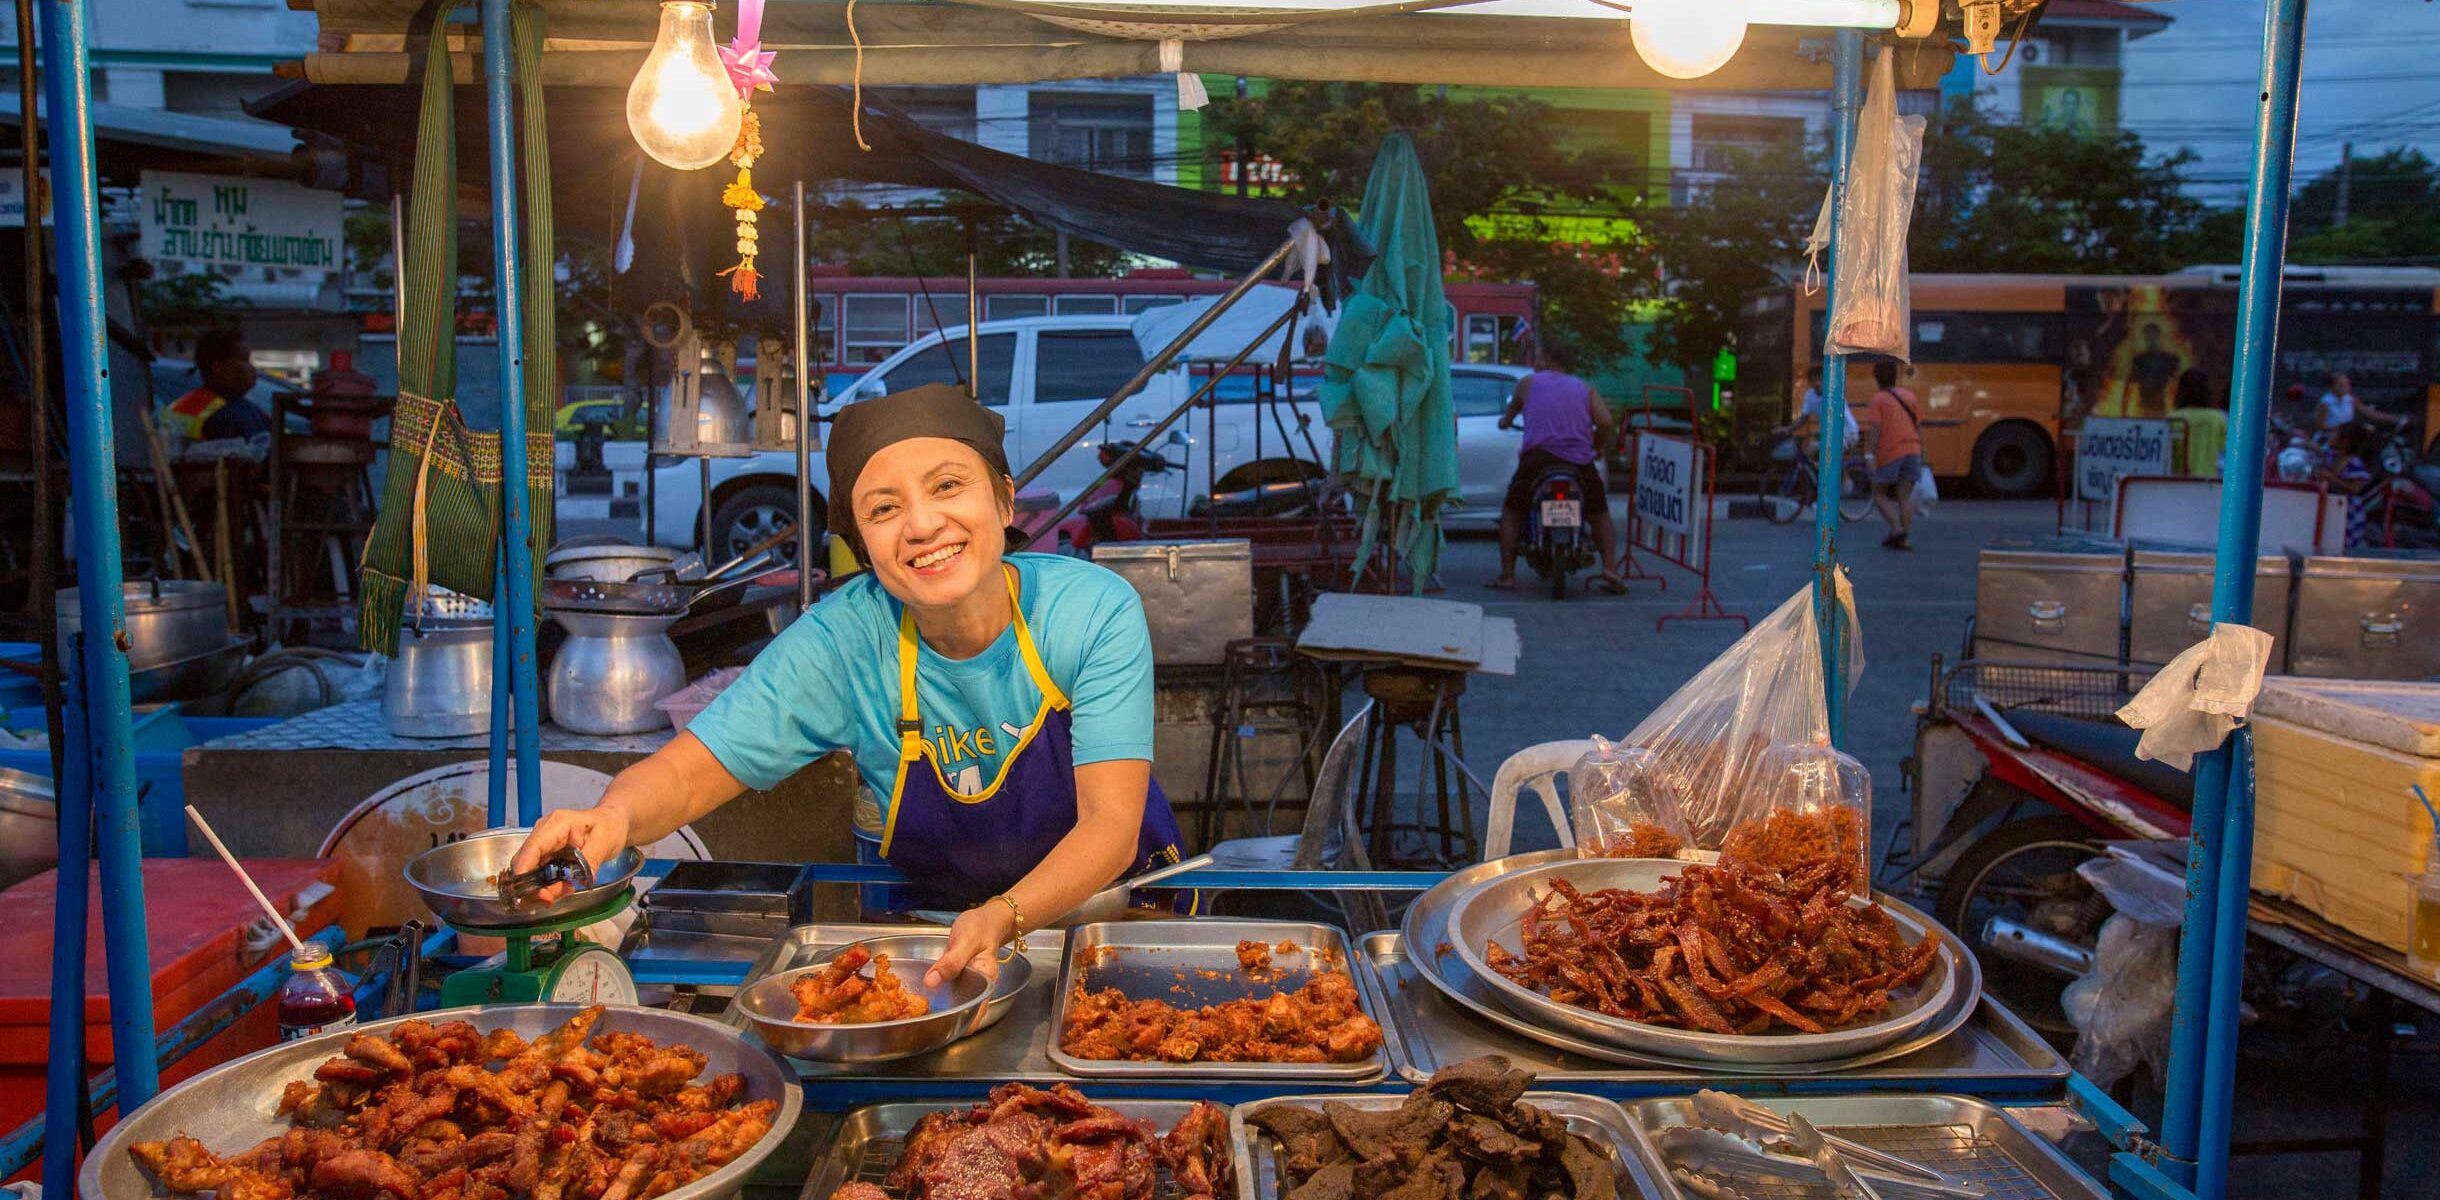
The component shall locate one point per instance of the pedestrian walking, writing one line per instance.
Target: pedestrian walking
(1897, 449)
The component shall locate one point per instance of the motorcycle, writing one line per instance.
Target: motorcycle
(1110, 511)
(1558, 534)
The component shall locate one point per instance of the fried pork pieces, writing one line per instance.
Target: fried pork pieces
(1039, 1145)
(1737, 948)
(1463, 1135)
(1322, 1021)
(839, 995)
(445, 1112)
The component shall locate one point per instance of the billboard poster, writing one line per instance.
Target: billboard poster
(2129, 346)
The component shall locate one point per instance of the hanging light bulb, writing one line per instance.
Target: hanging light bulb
(682, 108)
(1687, 39)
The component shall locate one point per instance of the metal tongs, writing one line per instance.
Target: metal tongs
(565, 865)
(1733, 1114)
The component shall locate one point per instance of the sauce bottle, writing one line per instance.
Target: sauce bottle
(316, 997)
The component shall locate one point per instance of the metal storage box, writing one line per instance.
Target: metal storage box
(2169, 603)
(2366, 618)
(2049, 605)
(1198, 596)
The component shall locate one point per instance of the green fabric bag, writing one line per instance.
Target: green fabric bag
(441, 504)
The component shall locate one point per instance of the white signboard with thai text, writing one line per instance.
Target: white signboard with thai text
(223, 221)
(2113, 448)
(1665, 483)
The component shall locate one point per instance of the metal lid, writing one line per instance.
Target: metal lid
(2202, 562)
(2087, 561)
(1222, 548)
(2368, 566)
(155, 595)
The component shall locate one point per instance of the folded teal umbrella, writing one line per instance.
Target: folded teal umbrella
(1385, 379)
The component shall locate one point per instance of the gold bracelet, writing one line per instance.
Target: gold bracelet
(1016, 921)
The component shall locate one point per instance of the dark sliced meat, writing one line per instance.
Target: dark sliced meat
(1334, 1182)
(1588, 1171)
(1377, 1134)
(1308, 1142)
(1487, 1141)
(1480, 1085)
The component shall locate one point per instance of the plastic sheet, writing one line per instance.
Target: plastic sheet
(1744, 741)
(2121, 1008)
(1869, 307)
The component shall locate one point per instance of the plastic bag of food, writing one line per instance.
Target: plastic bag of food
(1742, 748)
(1869, 299)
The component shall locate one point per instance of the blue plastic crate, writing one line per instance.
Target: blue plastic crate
(161, 742)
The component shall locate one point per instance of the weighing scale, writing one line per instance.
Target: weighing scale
(546, 963)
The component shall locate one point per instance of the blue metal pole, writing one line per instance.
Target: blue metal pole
(517, 594)
(1846, 99)
(68, 925)
(93, 482)
(2208, 1085)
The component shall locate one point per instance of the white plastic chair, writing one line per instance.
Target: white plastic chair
(1534, 768)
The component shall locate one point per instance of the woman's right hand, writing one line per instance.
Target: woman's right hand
(599, 833)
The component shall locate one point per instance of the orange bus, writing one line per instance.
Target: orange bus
(2002, 362)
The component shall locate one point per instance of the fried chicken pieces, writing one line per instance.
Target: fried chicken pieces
(446, 1112)
(1323, 1021)
(1751, 944)
(1464, 1135)
(1024, 1143)
(839, 994)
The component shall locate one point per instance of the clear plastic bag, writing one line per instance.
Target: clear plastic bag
(2122, 1007)
(1738, 760)
(1870, 299)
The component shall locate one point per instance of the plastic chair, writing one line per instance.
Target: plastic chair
(1536, 768)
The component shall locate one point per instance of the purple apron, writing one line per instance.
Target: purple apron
(966, 848)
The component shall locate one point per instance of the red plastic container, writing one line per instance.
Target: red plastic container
(196, 914)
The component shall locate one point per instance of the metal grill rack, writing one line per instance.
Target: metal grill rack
(1955, 1149)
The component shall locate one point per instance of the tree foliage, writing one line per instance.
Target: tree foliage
(2391, 199)
(1727, 240)
(873, 243)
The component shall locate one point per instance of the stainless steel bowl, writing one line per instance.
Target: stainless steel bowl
(1494, 909)
(454, 878)
(614, 563)
(927, 948)
(957, 1010)
(231, 1107)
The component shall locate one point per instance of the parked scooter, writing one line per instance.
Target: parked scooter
(1558, 535)
(1110, 511)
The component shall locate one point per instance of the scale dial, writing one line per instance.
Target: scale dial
(590, 975)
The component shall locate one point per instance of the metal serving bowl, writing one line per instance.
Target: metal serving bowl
(454, 878)
(927, 948)
(612, 563)
(958, 1008)
(1494, 910)
(230, 1108)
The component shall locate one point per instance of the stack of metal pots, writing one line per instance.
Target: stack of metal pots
(179, 644)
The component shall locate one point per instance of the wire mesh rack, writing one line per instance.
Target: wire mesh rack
(2069, 690)
(1956, 1150)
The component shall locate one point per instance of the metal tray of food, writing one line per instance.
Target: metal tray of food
(232, 1107)
(867, 1141)
(1194, 963)
(1990, 1051)
(1012, 1042)
(1426, 925)
(1958, 1135)
(1493, 911)
(1603, 1121)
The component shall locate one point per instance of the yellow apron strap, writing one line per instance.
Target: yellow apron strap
(910, 726)
(1025, 646)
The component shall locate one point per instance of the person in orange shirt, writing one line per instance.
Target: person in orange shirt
(1897, 430)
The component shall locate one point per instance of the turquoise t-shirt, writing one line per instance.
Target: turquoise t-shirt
(830, 682)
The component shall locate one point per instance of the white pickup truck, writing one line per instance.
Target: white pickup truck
(1043, 374)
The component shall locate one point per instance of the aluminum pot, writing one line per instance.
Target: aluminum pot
(29, 826)
(605, 564)
(440, 685)
(193, 677)
(166, 620)
(611, 669)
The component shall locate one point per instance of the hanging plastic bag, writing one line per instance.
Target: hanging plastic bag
(1869, 299)
(1738, 758)
(1926, 493)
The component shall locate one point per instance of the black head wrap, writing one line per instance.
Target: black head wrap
(864, 428)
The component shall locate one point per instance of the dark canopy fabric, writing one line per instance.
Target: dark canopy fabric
(682, 234)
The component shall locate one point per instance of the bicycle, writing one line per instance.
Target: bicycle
(1794, 484)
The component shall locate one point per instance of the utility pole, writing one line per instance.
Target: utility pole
(2346, 178)
(1245, 151)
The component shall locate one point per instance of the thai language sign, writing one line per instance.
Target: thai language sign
(1665, 488)
(2114, 448)
(220, 221)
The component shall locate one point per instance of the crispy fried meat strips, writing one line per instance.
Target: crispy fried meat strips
(1464, 1135)
(840, 994)
(1323, 1021)
(1643, 839)
(1764, 940)
(446, 1112)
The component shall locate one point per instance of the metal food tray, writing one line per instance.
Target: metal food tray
(866, 1142)
(1014, 1047)
(1993, 1053)
(1194, 962)
(1958, 1135)
(232, 1107)
(1601, 1120)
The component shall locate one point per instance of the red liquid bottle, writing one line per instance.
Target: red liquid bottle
(317, 997)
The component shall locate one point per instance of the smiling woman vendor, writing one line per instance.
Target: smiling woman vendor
(1002, 703)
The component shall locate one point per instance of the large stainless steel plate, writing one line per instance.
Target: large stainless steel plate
(1603, 1121)
(956, 1010)
(1956, 1134)
(230, 1108)
(1194, 962)
(866, 1142)
(1494, 911)
(455, 880)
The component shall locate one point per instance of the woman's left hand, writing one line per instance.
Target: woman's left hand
(974, 941)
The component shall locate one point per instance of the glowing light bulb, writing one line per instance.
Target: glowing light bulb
(1687, 39)
(682, 108)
